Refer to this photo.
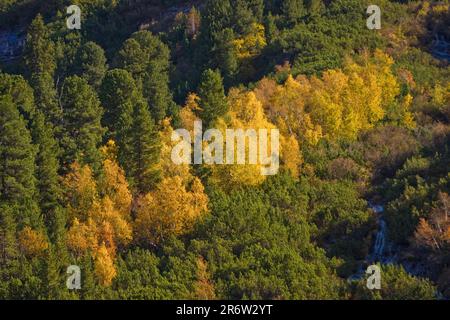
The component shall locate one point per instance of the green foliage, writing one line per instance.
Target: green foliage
(49, 190)
(40, 50)
(258, 246)
(297, 235)
(92, 63)
(213, 103)
(141, 165)
(17, 154)
(397, 284)
(147, 58)
(82, 128)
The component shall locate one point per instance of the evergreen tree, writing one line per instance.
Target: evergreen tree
(87, 278)
(224, 53)
(53, 275)
(17, 156)
(271, 29)
(92, 63)
(212, 96)
(20, 91)
(141, 162)
(216, 16)
(293, 11)
(116, 94)
(9, 263)
(146, 57)
(49, 190)
(246, 12)
(40, 50)
(314, 7)
(46, 99)
(82, 128)
(40, 62)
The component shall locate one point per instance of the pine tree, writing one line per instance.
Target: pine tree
(217, 16)
(17, 156)
(92, 63)
(315, 7)
(116, 94)
(21, 92)
(212, 96)
(46, 99)
(9, 264)
(49, 190)
(146, 57)
(39, 51)
(245, 13)
(8, 243)
(225, 54)
(293, 11)
(87, 278)
(141, 163)
(40, 62)
(53, 275)
(82, 128)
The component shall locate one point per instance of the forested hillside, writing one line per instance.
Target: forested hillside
(87, 177)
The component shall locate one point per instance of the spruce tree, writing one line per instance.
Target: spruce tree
(212, 96)
(88, 288)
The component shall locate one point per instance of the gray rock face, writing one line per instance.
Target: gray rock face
(440, 48)
(11, 45)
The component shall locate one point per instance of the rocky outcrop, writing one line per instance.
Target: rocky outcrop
(11, 45)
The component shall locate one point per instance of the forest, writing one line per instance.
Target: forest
(88, 115)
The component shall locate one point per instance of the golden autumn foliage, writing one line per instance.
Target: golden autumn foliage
(108, 208)
(104, 268)
(178, 200)
(435, 231)
(99, 212)
(340, 103)
(81, 191)
(246, 112)
(168, 168)
(204, 288)
(82, 237)
(32, 243)
(171, 209)
(187, 113)
(115, 186)
(285, 106)
(251, 44)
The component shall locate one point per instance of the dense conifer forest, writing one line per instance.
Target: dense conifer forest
(87, 123)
